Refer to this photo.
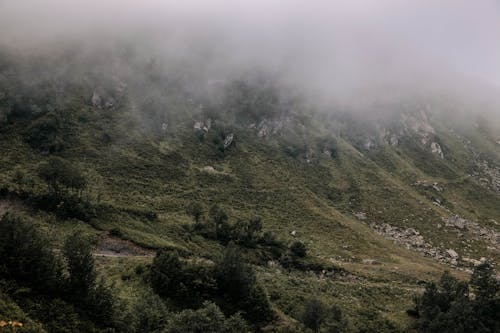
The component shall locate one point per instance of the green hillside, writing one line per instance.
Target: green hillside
(382, 205)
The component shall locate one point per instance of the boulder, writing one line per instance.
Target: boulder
(452, 253)
(228, 140)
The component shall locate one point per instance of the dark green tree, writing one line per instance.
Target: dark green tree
(314, 314)
(195, 210)
(219, 219)
(81, 267)
(165, 274)
(150, 314)
(298, 249)
(61, 174)
(208, 319)
(27, 255)
(237, 282)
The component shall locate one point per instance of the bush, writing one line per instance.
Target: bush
(82, 276)
(447, 306)
(208, 319)
(195, 210)
(237, 283)
(60, 174)
(314, 314)
(298, 249)
(45, 134)
(183, 282)
(27, 255)
(150, 314)
(321, 318)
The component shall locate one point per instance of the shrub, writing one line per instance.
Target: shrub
(61, 174)
(183, 282)
(314, 314)
(208, 319)
(150, 314)
(298, 249)
(27, 255)
(45, 133)
(82, 276)
(447, 306)
(237, 283)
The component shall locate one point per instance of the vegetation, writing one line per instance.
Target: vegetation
(458, 306)
(272, 233)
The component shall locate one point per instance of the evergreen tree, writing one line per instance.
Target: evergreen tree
(81, 266)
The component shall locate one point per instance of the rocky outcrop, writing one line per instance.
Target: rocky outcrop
(228, 140)
(203, 125)
(413, 240)
(436, 149)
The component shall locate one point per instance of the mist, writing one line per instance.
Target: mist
(347, 52)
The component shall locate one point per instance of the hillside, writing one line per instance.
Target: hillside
(382, 204)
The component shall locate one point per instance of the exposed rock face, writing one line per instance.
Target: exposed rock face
(269, 127)
(436, 149)
(228, 140)
(393, 140)
(419, 124)
(203, 125)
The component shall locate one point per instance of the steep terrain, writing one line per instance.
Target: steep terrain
(382, 203)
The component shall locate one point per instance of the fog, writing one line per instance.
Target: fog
(342, 50)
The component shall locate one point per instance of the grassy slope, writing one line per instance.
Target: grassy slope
(164, 173)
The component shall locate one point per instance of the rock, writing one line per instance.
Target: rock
(228, 140)
(370, 262)
(96, 100)
(198, 125)
(452, 253)
(110, 103)
(456, 221)
(360, 215)
(436, 149)
(209, 169)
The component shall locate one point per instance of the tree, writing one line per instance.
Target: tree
(298, 249)
(165, 273)
(447, 306)
(208, 319)
(181, 281)
(195, 209)
(237, 282)
(27, 255)
(487, 291)
(150, 314)
(314, 314)
(247, 232)
(81, 267)
(219, 219)
(234, 276)
(484, 283)
(59, 173)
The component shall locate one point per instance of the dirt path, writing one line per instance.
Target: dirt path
(115, 247)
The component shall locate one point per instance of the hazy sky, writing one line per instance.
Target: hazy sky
(335, 44)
